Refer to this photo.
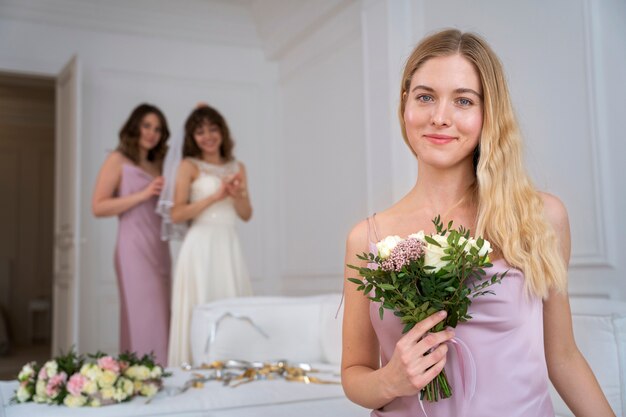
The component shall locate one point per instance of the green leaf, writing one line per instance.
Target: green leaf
(356, 281)
(387, 287)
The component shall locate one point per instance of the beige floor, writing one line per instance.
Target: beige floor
(11, 364)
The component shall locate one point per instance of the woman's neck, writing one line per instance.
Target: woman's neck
(443, 190)
(212, 158)
(143, 156)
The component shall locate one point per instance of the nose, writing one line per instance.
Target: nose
(441, 115)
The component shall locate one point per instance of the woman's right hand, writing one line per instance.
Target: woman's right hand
(154, 188)
(409, 370)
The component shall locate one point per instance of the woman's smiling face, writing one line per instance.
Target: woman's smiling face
(443, 114)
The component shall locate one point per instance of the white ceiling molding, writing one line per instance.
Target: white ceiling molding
(206, 21)
(283, 24)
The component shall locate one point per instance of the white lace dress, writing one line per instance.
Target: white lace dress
(210, 263)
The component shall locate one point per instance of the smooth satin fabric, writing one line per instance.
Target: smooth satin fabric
(505, 338)
(142, 262)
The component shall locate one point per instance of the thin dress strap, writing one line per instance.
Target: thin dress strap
(371, 229)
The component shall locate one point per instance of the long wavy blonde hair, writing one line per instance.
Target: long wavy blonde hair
(510, 209)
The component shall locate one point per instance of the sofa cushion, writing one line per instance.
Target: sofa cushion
(331, 317)
(600, 332)
(258, 329)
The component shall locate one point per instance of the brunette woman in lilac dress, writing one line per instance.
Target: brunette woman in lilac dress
(128, 186)
(457, 119)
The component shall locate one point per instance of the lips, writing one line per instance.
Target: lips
(439, 139)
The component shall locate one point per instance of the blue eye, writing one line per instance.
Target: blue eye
(425, 98)
(465, 102)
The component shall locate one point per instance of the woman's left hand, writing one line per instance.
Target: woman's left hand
(236, 187)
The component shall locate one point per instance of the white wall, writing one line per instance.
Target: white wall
(174, 72)
(561, 59)
(312, 103)
(322, 169)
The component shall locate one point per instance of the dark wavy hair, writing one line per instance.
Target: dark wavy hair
(130, 132)
(196, 119)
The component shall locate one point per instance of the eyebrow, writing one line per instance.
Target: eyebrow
(458, 90)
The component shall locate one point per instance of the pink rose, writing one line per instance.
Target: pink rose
(75, 384)
(42, 373)
(54, 384)
(109, 364)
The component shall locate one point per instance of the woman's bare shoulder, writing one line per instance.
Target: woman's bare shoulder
(554, 210)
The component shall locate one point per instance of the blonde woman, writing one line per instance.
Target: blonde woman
(457, 119)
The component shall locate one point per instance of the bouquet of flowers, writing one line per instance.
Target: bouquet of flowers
(422, 274)
(95, 380)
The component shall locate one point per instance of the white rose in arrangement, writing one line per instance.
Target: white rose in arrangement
(419, 236)
(90, 387)
(107, 393)
(149, 390)
(75, 400)
(434, 253)
(484, 250)
(26, 372)
(52, 367)
(156, 372)
(386, 245)
(23, 394)
(91, 371)
(127, 386)
(95, 402)
(40, 391)
(107, 379)
(119, 395)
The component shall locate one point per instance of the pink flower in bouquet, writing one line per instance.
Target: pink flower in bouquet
(76, 384)
(406, 251)
(42, 373)
(55, 383)
(107, 363)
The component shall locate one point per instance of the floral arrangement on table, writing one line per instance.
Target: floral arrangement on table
(423, 274)
(94, 380)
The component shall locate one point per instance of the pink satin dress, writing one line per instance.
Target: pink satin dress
(142, 263)
(504, 340)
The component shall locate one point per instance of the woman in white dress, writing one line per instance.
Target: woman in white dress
(211, 193)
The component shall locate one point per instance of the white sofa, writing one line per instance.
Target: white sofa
(304, 329)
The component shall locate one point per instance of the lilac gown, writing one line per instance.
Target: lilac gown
(142, 263)
(505, 339)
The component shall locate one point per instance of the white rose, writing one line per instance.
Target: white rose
(51, 368)
(149, 390)
(107, 379)
(23, 394)
(434, 253)
(91, 371)
(119, 395)
(26, 372)
(107, 393)
(486, 249)
(95, 402)
(419, 236)
(127, 386)
(40, 390)
(75, 400)
(156, 372)
(90, 387)
(386, 245)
